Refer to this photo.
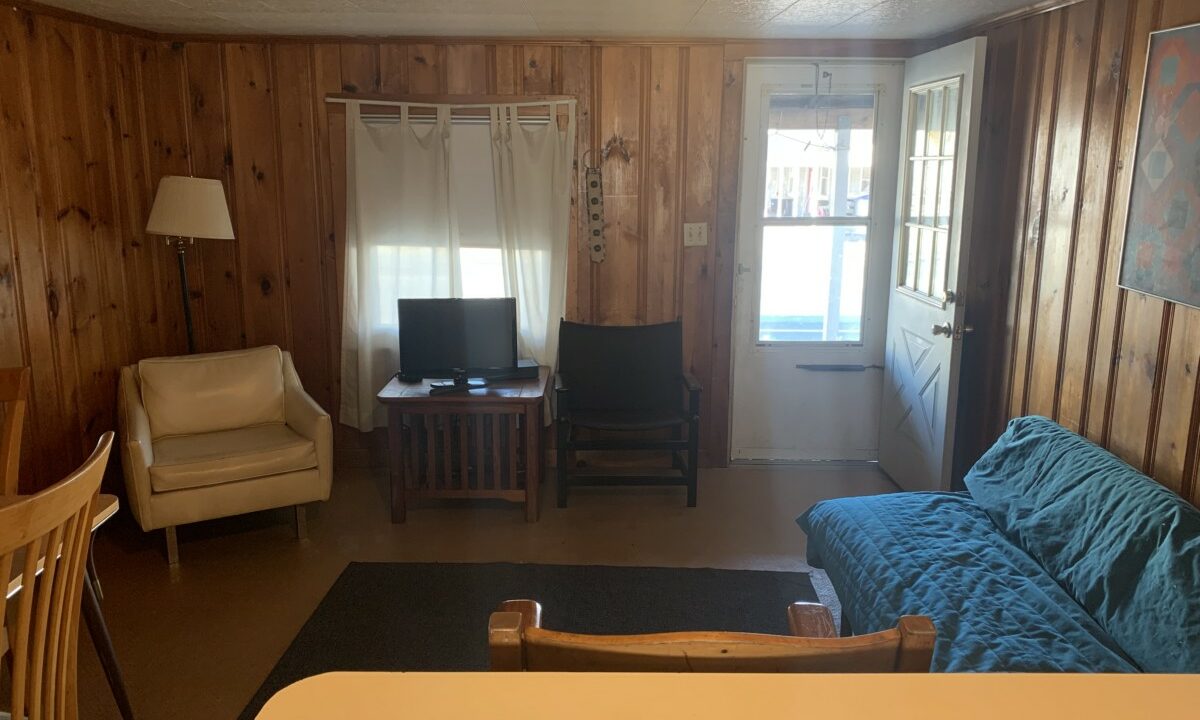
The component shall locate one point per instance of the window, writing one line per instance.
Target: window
(813, 250)
(480, 261)
(932, 143)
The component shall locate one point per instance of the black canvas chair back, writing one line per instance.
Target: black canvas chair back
(622, 388)
(622, 367)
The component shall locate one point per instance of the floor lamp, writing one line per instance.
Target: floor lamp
(186, 208)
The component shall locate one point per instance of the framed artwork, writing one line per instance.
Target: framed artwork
(1162, 234)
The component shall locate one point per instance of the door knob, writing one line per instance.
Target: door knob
(943, 329)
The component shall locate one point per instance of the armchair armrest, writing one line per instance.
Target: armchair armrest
(137, 447)
(303, 415)
(506, 629)
(811, 620)
(693, 389)
(561, 392)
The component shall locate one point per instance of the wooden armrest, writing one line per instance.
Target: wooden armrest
(506, 628)
(530, 610)
(917, 638)
(561, 391)
(812, 620)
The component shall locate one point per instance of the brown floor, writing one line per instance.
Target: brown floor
(197, 640)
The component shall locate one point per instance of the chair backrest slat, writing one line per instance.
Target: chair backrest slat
(14, 393)
(52, 529)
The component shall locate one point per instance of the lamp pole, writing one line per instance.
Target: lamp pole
(181, 244)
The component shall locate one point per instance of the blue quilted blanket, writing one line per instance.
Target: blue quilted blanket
(938, 554)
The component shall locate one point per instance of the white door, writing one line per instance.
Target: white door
(942, 94)
(816, 207)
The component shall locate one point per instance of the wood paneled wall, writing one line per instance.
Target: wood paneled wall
(91, 115)
(1117, 366)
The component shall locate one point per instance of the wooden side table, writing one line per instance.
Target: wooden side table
(484, 443)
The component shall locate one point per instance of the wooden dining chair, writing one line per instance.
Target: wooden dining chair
(45, 538)
(14, 393)
(517, 641)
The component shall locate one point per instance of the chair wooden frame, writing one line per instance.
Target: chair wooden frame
(517, 641)
(14, 394)
(48, 535)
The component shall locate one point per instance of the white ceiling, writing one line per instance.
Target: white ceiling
(892, 19)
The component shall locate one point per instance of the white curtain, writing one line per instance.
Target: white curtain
(532, 167)
(403, 211)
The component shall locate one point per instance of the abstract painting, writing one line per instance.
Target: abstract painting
(1162, 234)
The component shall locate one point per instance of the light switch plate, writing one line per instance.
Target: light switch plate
(695, 234)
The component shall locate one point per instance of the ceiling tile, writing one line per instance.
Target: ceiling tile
(437, 7)
(740, 12)
(918, 19)
(814, 17)
(547, 18)
(641, 17)
(380, 24)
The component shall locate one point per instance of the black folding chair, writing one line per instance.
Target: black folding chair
(626, 381)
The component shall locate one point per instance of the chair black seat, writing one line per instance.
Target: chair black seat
(627, 419)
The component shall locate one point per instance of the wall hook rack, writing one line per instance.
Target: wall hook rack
(615, 144)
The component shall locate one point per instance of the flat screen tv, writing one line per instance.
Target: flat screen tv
(452, 338)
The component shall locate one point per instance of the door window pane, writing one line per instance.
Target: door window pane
(916, 173)
(932, 143)
(819, 155)
(919, 100)
(911, 243)
(924, 259)
(945, 193)
(950, 133)
(933, 134)
(811, 287)
(940, 240)
(929, 192)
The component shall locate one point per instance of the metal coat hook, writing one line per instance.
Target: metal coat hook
(615, 144)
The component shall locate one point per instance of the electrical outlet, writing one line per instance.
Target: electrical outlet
(695, 234)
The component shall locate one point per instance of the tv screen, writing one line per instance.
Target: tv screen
(476, 335)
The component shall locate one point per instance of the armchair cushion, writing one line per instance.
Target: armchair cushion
(211, 392)
(213, 458)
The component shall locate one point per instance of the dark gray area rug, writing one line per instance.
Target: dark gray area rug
(416, 616)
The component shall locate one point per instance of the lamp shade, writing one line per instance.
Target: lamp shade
(190, 207)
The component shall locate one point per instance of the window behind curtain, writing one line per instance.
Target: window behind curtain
(473, 186)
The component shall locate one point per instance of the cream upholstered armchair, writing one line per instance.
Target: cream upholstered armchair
(218, 434)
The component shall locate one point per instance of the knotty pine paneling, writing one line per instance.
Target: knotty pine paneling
(91, 116)
(1117, 366)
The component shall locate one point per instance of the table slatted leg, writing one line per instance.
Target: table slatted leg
(431, 473)
(463, 427)
(480, 460)
(447, 451)
(396, 463)
(414, 450)
(494, 477)
(511, 421)
(533, 460)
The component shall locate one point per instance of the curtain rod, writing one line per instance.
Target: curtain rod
(454, 120)
(397, 103)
